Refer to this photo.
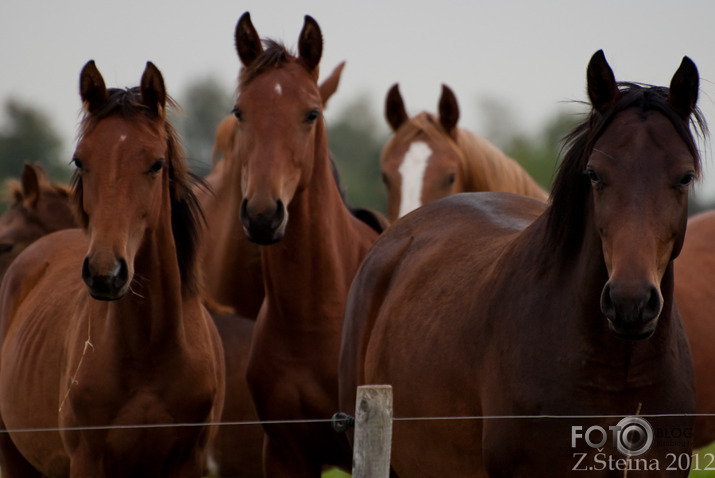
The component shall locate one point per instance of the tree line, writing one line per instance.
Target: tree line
(354, 138)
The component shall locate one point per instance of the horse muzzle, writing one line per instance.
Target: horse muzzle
(632, 312)
(265, 226)
(111, 285)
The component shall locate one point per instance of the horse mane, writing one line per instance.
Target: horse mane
(566, 220)
(488, 168)
(186, 214)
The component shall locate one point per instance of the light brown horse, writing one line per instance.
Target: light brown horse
(231, 263)
(695, 295)
(429, 157)
(498, 305)
(107, 351)
(311, 246)
(37, 207)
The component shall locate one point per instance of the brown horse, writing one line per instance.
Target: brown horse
(497, 305)
(37, 207)
(429, 158)
(107, 351)
(311, 246)
(694, 292)
(231, 263)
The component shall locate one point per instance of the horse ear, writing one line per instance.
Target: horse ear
(330, 84)
(92, 89)
(602, 88)
(683, 93)
(248, 43)
(30, 183)
(310, 44)
(152, 89)
(448, 111)
(395, 108)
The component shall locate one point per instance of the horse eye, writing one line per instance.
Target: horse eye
(686, 180)
(450, 179)
(593, 177)
(385, 180)
(157, 166)
(78, 164)
(312, 116)
(5, 247)
(237, 113)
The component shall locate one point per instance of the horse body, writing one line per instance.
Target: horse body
(695, 273)
(311, 246)
(232, 262)
(113, 319)
(429, 157)
(535, 310)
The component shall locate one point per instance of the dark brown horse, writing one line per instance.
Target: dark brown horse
(311, 246)
(497, 305)
(107, 350)
(231, 263)
(37, 207)
(430, 157)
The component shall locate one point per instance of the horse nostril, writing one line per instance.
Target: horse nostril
(243, 213)
(279, 214)
(120, 273)
(654, 304)
(87, 272)
(607, 306)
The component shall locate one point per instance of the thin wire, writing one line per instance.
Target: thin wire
(330, 420)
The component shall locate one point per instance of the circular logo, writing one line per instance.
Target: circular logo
(634, 436)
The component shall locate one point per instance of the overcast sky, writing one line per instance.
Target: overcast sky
(530, 55)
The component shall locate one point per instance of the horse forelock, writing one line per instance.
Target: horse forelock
(186, 214)
(567, 214)
(274, 55)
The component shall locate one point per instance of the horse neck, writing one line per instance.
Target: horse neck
(313, 265)
(151, 313)
(489, 169)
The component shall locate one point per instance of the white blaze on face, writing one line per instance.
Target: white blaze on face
(278, 89)
(412, 171)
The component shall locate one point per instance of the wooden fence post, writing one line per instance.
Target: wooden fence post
(373, 432)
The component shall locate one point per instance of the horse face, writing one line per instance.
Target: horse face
(418, 172)
(122, 169)
(640, 214)
(279, 114)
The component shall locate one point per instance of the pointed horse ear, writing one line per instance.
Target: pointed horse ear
(248, 43)
(153, 90)
(330, 85)
(310, 45)
(448, 111)
(30, 183)
(395, 111)
(602, 87)
(683, 92)
(92, 89)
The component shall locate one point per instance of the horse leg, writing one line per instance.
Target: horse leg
(12, 463)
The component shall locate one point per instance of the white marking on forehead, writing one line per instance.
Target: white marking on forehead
(122, 137)
(278, 88)
(412, 171)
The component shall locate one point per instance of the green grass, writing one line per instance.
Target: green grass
(335, 473)
(706, 456)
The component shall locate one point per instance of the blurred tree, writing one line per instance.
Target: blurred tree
(356, 146)
(28, 136)
(205, 102)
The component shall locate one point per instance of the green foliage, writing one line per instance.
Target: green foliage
(205, 102)
(29, 137)
(356, 146)
(539, 154)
